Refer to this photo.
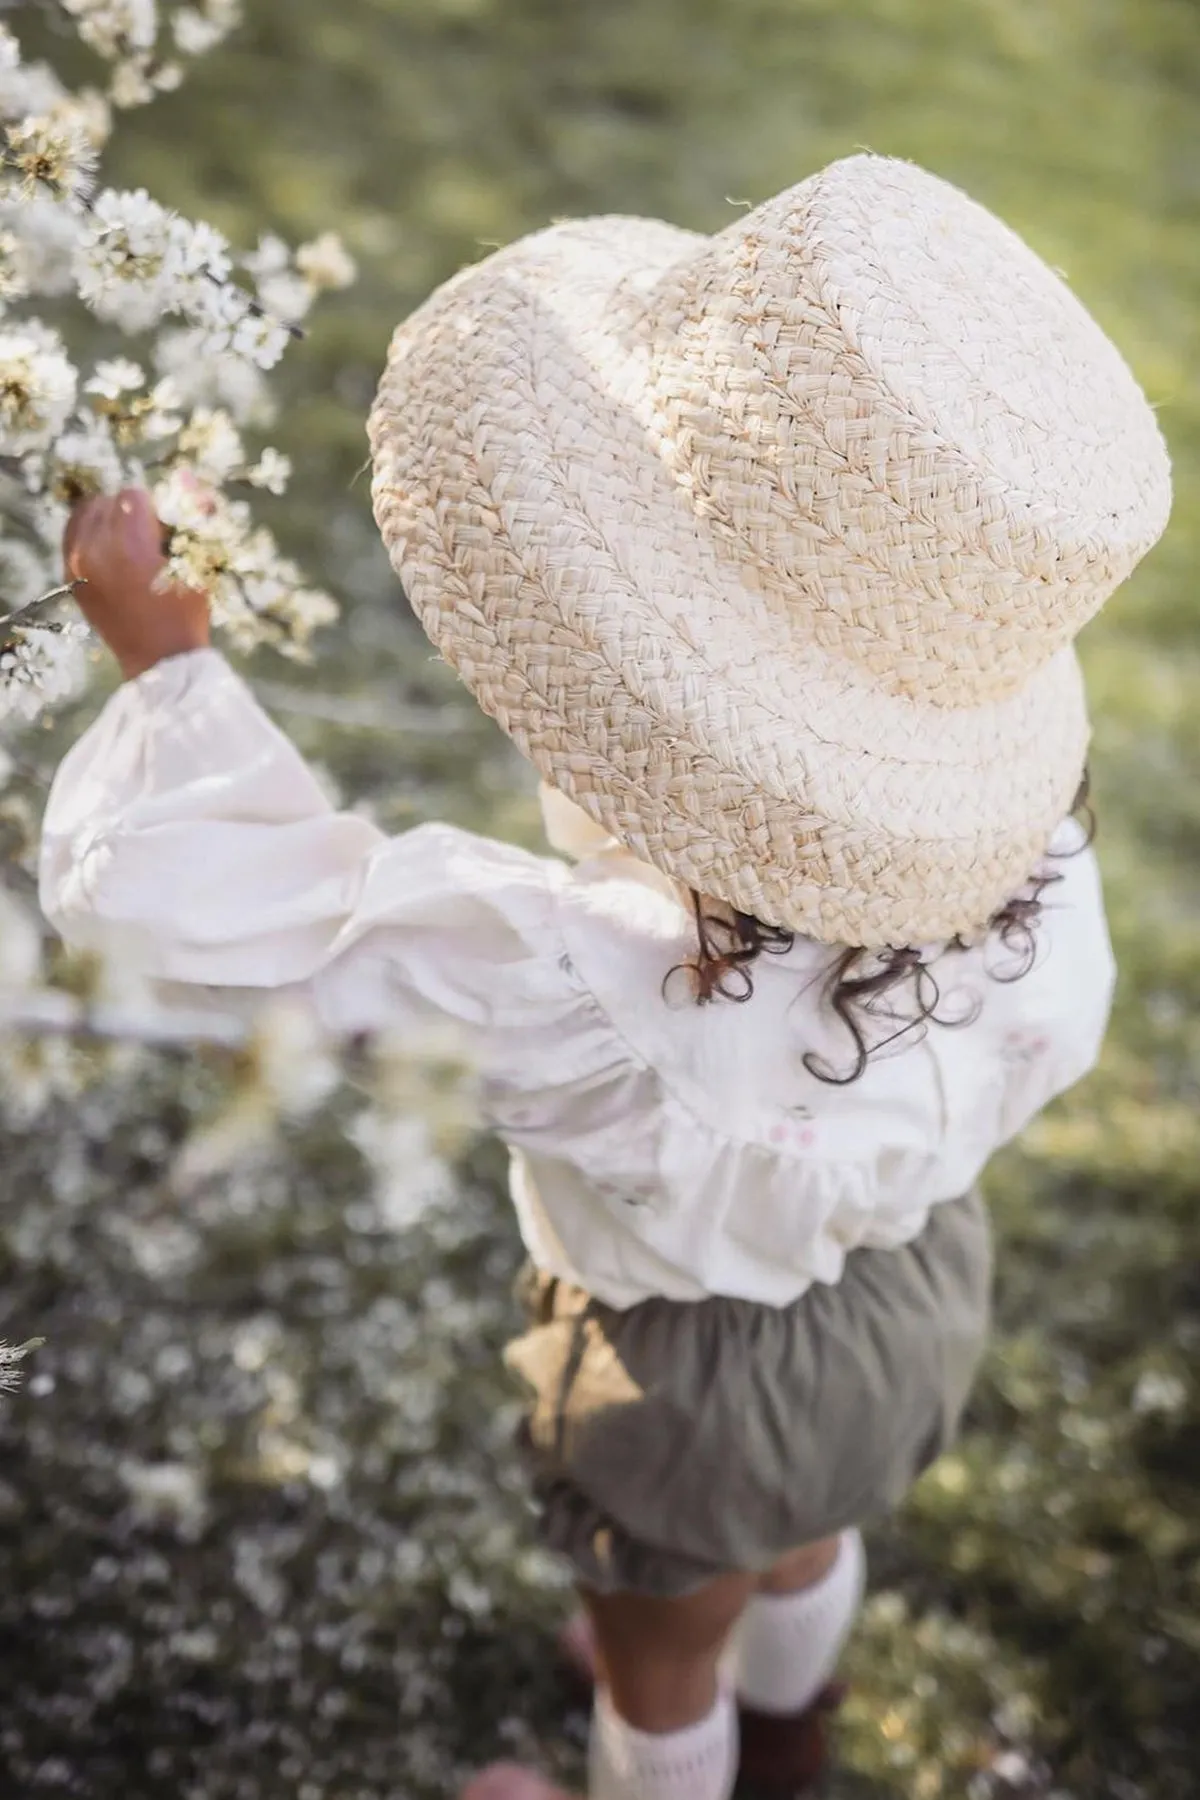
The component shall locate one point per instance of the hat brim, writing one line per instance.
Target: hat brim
(559, 564)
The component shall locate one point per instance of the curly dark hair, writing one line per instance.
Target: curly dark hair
(865, 988)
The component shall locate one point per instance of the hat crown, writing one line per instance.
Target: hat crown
(766, 548)
(905, 427)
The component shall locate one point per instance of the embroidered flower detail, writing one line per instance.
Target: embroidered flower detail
(797, 1134)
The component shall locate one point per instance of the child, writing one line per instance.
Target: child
(768, 550)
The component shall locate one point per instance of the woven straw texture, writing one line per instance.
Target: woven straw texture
(768, 549)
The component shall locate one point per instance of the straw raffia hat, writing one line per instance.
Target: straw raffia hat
(768, 549)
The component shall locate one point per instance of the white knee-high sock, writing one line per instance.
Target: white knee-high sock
(699, 1763)
(785, 1647)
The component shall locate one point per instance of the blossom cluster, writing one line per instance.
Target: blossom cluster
(147, 44)
(208, 325)
(179, 410)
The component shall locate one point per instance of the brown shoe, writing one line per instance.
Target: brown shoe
(788, 1753)
(784, 1754)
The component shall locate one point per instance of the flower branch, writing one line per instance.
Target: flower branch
(172, 419)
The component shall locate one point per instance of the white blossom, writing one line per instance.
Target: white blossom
(12, 281)
(115, 378)
(123, 264)
(225, 13)
(167, 78)
(261, 341)
(287, 287)
(1012, 1768)
(286, 297)
(208, 537)
(326, 263)
(28, 88)
(37, 386)
(170, 1494)
(1159, 1392)
(131, 86)
(170, 416)
(136, 264)
(85, 460)
(182, 504)
(199, 252)
(265, 574)
(52, 152)
(159, 415)
(94, 114)
(292, 1059)
(212, 446)
(33, 1072)
(47, 238)
(272, 472)
(271, 256)
(193, 33)
(116, 28)
(199, 29)
(410, 1178)
(202, 376)
(39, 669)
(48, 515)
(305, 612)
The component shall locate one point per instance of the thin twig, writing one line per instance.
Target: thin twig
(66, 592)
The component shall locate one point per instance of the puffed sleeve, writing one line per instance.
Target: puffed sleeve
(185, 834)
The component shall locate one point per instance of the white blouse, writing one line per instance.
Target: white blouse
(658, 1146)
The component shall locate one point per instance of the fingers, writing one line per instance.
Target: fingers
(135, 513)
(105, 563)
(138, 529)
(111, 533)
(78, 535)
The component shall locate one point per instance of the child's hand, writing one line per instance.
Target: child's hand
(113, 547)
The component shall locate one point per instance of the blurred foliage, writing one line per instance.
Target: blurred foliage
(1035, 1630)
